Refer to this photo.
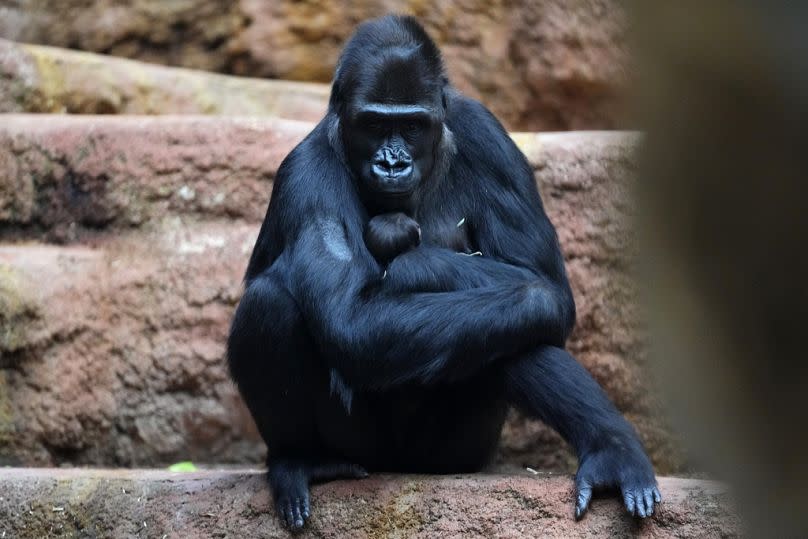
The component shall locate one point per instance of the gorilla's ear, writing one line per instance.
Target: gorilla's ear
(335, 140)
(336, 99)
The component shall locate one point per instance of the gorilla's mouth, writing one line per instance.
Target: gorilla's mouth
(391, 187)
(392, 172)
(388, 192)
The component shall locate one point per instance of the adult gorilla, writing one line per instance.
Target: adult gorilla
(348, 365)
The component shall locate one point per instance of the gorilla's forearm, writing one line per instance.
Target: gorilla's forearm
(378, 337)
(437, 269)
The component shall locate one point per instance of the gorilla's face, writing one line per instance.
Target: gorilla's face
(391, 147)
(391, 124)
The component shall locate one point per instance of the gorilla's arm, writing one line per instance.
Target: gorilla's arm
(506, 219)
(491, 184)
(438, 269)
(373, 336)
(377, 337)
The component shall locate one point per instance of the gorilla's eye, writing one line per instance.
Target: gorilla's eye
(374, 125)
(412, 128)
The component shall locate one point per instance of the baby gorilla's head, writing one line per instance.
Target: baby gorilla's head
(390, 234)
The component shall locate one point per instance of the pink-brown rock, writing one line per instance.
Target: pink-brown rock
(125, 243)
(539, 64)
(61, 174)
(116, 355)
(151, 503)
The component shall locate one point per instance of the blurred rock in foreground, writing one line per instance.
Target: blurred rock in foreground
(539, 64)
(152, 503)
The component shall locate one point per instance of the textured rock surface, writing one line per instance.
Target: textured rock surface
(67, 503)
(34, 78)
(125, 240)
(546, 64)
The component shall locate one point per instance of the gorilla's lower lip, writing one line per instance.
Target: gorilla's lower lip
(386, 190)
(393, 193)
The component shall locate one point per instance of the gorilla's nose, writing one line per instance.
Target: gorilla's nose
(392, 162)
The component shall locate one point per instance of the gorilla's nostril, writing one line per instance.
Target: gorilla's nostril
(393, 160)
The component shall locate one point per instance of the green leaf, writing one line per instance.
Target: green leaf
(184, 466)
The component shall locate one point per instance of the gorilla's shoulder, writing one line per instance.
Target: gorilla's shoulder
(312, 175)
(314, 144)
(478, 134)
(313, 155)
(460, 108)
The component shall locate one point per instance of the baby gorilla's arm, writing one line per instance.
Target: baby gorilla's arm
(391, 234)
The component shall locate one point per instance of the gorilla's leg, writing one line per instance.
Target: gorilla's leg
(289, 481)
(447, 428)
(551, 385)
(274, 363)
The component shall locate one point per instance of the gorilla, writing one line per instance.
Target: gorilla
(407, 288)
(391, 234)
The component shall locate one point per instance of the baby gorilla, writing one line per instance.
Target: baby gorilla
(391, 234)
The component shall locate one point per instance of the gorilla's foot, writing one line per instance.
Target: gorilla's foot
(289, 481)
(622, 466)
(335, 469)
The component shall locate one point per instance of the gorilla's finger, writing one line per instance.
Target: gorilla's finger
(648, 495)
(297, 517)
(639, 503)
(287, 514)
(628, 499)
(360, 472)
(657, 495)
(582, 503)
(306, 507)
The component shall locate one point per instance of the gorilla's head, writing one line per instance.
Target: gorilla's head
(389, 98)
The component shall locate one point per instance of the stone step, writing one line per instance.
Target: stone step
(37, 78)
(123, 242)
(105, 171)
(222, 503)
(62, 172)
(112, 352)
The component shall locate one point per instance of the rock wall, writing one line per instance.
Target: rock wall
(538, 64)
(123, 241)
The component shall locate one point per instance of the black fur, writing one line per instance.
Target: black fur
(349, 365)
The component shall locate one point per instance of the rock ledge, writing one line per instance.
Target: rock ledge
(235, 503)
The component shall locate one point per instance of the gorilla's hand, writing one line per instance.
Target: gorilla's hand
(621, 465)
